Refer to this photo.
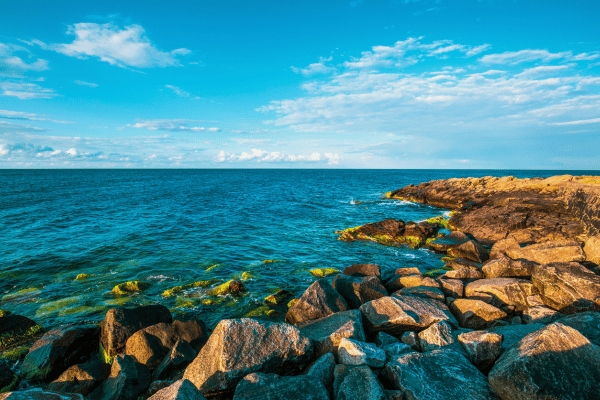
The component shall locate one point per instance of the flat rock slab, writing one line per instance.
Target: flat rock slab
(475, 314)
(238, 347)
(326, 333)
(408, 281)
(453, 239)
(358, 290)
(504, 267)
(422, 291)
(320, 300)
(556, 362)
(466, 274)
(548, 252)
(275, 387)
(503, 291)
(396, 315)
(352, 352)
(437, 375)
(567, 287)
(180, 390)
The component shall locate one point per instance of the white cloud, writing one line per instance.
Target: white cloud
(25, 91)
(172, 125)
(178, 91)
(28, 116)
(516, 57)
(18, 63)
(11, 62)
(83, 83)
(259, 155)
(579, 122)
(316, 68)
(123, 47)
(72, 152)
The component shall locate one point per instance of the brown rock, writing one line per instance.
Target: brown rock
(470, 250)
(462, 263)
(501, 247)
(363, 270)
(475, 314)
(504, 291)
(238, 347)
(411, 339)
(504, 267)
(120, 323)
(178, 358)
(549, 252)
(556, 362)
(541, 315)
(393, 232)
(592, 249)
(421, 291)
(482, 347)
(567, 287)
(358, 290)
(326, 333)
(180, 390)
(463, 274)
(391, 274)
(452, 287)
(408, 281)
(128, 379)
(453, 239)
(318, 301)
(81, 378)
(436, 336)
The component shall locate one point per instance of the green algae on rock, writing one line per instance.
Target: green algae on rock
(130, 287)
(15, 354)
(83, 277)
(56, 306)
(199, 284)
(323, 272)
(391, 232)
(278, 298)
(16, 330)
(230, 287)
(4, 313)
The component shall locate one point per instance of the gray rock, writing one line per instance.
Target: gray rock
(475, 314)
(556, 362)
(363, 270)
(180, 356)
(567, 287)
(238, 347)
(503, 291)
(540, 314)
(326, 333)
(396, 349)
(320, 300)
(322, 369)
(38, 394)
(452, 287)
(504, 267)
(180, 390)
(436, 336)
(128, 379)
(411, 339)
(275, 387)
(421, 291)
(360, 383)
(482, 347)
(512, 334)
(156, 386)
(358, 290)
(352, 352)
(586, 323)
(549, 252)
(437, 375)
(470, 250)
(396, 315)
(383, 339)
(81, 378)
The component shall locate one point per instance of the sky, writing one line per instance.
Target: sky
(442, 84)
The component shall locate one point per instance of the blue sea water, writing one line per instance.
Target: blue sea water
(172, 227)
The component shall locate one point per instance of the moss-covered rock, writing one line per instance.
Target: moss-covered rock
(392, 232)
(199, 284)
(291, 303)
(16, 330)
(15, 354)
(272, 261)
(130, 287)
(4, 313)
(233, 287)
(278, 298)
(214, 266)
(263, 311)
(248, 275)
(323, 272)
(22, 296)
(83, 277)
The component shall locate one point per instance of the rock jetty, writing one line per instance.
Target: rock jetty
(513, 314)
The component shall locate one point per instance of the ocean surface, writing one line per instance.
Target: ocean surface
(173, 227)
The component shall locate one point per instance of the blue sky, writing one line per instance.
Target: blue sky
(300, 84)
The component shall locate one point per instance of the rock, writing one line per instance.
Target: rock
(233, 287)
(238, 347)
(275, 387)
(16, 330)
(278, 298)
(128, 379)
(453, 239)
(180, 390)
(358, 290)
(463, 263)
(437, 375)
(463, 274)
(396, 349)
(512, 334)
(452, 287)
(363, 270)
(504, 291)
(506, 268)
(482, 347)
(436, 336)
(59, 349)
(391, 232)
(516, 320)
(567, 287)
(411, 339)
(422, 291)
(130, 287)
(535, 300)
(352, 352)
(323, 272)
(396, 315)
(586, 323)
(178, 358)
(475, 314)
(549, 252)
(150, 345)
(391, 274)
(541, 315)
(120, 323)
(326, 333)
(322, 370)
(592, 249)
(38, 394)
(318, 301)
(408, 281)
(156, 386)
(383, 339)
(394, 394)
(8, 379)
(470, 250)
(81, 378)
(556, 362)
(360, 383)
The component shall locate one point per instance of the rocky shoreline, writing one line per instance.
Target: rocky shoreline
(513, 314)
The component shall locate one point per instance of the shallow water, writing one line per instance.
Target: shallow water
(172, 227)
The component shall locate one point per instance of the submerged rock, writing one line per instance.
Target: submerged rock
(275, 387)
(318, 301)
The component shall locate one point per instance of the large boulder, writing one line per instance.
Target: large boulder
(59, 349)
(352, 352)
(363, 270)
(567, 287)
(150, 345)
(120, 323)
(421, 291)
(452, 287)
(318, 301)
(504, 267)
(470, 250)
(396, 315)
(437, 375)
(359, 383)
(180, 390)
(512, 334)
(81, 378)
(16, 330)
(586, 323)
(549, 252)
(238, 347)
(326, 333)
(482, 347)
(475, 314)
(466, 274)
(128, 379)
(556, 362)
(275, 387)
(358, 290)
(408, 281)
(592, 249)
(503, 291)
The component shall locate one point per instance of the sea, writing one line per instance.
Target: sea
(168, 228)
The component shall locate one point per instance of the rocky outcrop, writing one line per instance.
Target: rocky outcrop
(475, 314)
(548, 252)
(392, 232)
(452, 240)
(470, 250)
(318, 301)
(275, 387)
(505, 267)
(238, 347)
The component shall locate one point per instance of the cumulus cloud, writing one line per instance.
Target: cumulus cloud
(259, 155)
(123, 47)
(316, 68)
(172, 125)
